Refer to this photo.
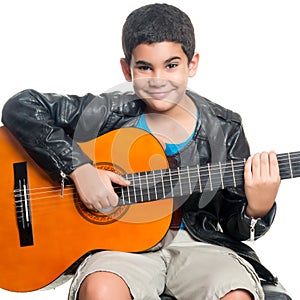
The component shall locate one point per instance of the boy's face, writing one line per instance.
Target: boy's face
(160, 73)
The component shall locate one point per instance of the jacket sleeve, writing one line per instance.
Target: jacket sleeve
(233, 218)
(47, 125)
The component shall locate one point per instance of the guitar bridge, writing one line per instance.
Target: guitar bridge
(22, 204)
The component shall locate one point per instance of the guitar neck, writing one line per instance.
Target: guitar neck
(183, 181)
(289, 165)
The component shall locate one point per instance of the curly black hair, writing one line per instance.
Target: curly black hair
(156, 23)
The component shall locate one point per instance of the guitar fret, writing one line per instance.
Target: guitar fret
(122, 195)
(140, 186)
(147, 185)
(283, 161)
(150, 188)
(128, 191)
(290, 165)
(129, 198)
(209, 176)
(171, 183)
(134, 190)
(179, 178)
(295, 159)
(199, 178)
(155, 188)
(189, 179)
(233, 174)
(122, 191)
(163, 184)
(221, 175)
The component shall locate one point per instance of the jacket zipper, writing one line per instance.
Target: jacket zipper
(252, 229)
(62, 183)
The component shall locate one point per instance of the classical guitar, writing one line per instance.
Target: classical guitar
(45, 229)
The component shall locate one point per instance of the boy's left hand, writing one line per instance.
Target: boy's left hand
(262, 181)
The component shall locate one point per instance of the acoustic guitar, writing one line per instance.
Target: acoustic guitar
(45, 229)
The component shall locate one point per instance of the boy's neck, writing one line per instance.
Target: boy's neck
(176, 125)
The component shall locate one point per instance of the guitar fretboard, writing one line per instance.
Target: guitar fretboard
(183, 181)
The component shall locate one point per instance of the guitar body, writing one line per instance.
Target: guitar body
(61, 230)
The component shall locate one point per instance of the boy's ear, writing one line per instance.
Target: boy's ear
(125, 69)
(193, 65)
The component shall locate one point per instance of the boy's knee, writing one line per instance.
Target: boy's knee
(103, 285)
(238, 294)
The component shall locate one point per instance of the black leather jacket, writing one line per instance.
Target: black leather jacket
(47, 125)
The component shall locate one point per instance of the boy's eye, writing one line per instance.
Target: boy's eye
(144, 68)
(171, 66)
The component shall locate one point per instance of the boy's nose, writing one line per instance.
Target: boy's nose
(157, 81)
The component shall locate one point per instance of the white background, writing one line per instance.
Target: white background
(249, 62)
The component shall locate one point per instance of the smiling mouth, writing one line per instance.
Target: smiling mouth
(158, 95)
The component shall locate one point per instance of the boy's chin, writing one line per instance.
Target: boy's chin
(159, 106)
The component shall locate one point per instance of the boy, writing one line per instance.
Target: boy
(198, 264)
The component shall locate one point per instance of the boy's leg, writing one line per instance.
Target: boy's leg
(143, 275)
(207, 272)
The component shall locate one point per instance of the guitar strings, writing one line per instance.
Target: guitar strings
(213, 167)
(44, 190)
(214, 171)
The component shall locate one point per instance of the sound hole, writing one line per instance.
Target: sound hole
(105, 216)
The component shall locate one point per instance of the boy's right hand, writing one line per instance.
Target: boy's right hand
(94, 186)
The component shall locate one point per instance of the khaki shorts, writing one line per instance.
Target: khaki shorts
(185, 269)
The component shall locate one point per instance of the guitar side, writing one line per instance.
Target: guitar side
(62, 230)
